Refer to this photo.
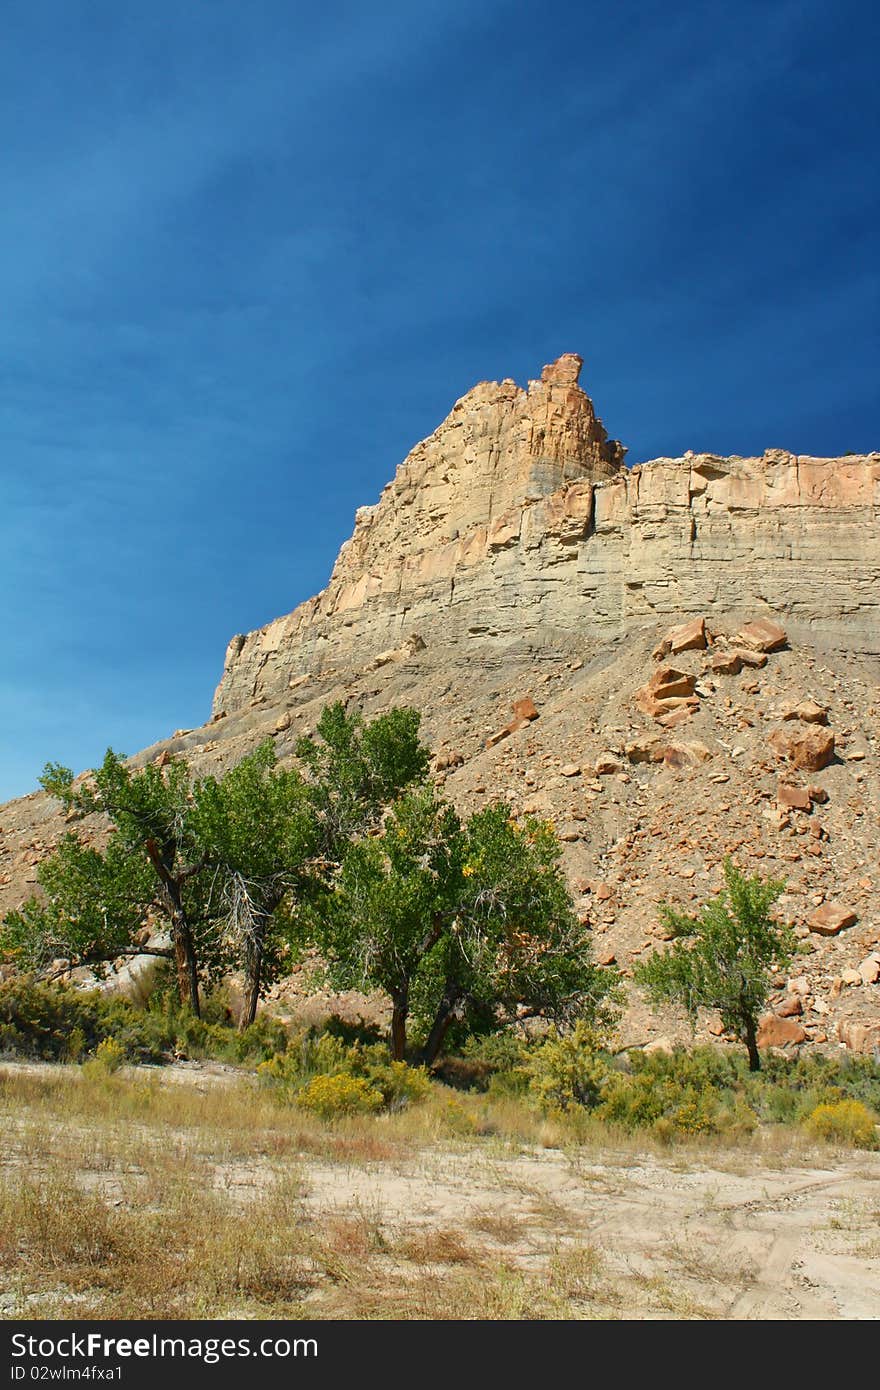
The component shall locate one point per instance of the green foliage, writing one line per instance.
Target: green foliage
(724, 957)
(150, 803)
(256, 829)
(57, 1023)
(668, 1106)
(707, 1091)
(312, 1056)
(61, 1023)
(109, 1057)
(93, 903)
(516, 948)
(150, 811)
(468, 927)
(845, 1122)
(223, 859)
(569, 1070)
(355, 769)
(492, 1062)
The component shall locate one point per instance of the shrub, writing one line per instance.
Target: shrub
(109, 1057)
(58, 1023)
(569, 1070)
(399, 1084)
(724, 957)
(339, 1094)
(845, 1122)
(62, 1023)
(320, 1056)
(633, 1102)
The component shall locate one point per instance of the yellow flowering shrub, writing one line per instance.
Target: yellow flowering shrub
(845, 1122)
(333, 1096)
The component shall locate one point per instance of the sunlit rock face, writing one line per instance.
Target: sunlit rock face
(516, 524)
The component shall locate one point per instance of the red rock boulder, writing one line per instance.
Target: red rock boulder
(811, 748)
(774, 1031)
(831, 918)
(762, 636)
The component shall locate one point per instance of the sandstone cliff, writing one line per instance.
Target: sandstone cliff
(517, 525)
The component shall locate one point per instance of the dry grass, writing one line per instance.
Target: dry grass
(133, 1195)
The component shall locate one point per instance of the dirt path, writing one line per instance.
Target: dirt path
(767, 1243)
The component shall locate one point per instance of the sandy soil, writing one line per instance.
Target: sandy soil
(757, 1243)
(696, 1233)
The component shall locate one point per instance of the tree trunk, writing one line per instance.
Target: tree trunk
(253, 980)
(185, 958)
(181, 936)
(446, 1012)
(400, 1011)
(752, 1045)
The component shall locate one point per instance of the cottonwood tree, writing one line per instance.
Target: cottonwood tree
(258, 832)
(150, 811)
(355, 769)
(460, 923)
(512, 946)
(724, 957)
(93, 906)
(226, 858)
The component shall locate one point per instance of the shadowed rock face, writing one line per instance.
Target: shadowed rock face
(516, 525)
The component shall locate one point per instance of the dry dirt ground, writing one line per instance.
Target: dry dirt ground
(189, 1192)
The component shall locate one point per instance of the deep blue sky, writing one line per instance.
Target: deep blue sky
(250, 253)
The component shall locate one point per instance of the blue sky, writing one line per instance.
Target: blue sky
(249, 254)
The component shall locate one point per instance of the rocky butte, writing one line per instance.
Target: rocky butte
(517, 525)
(673, 662)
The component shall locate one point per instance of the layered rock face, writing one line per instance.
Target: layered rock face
(517, 525)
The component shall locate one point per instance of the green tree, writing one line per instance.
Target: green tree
(150, 812)
(355, 769)
(225, 858)
(460, 923)
(724, 957)
(257, 829)
(93, 905)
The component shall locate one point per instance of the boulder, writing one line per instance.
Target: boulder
(668, 683)
(762, 635)
(807, 711)
(831, 918)
(791, 1007)
(646, 750)
(869, 970)
(667, 690)
(774, 1031)
(497, 737)
(726, 663)
(755, 660)
(811, 748)
(860, 1037)
(679, 714)
(448, 760)
(687, 637)
(793, 798)
(685, 754)
(525, 709)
